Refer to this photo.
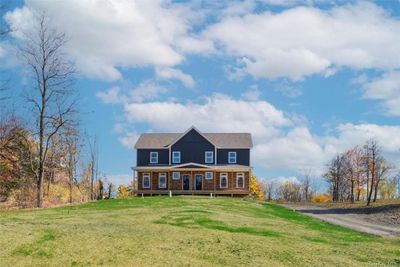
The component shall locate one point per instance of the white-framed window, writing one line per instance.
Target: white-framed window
(154, 157)
(209, 175)
(146, 180)
(231, 157)
(209, 157)
(223, 180)
(176, 157)
(176, 175)
(162, 180)
(240, 180)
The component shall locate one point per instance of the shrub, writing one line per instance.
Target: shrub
(320, 198)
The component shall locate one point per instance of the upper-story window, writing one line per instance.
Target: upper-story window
(209, 157)
(231, 157)
(154, 157)
(176, 157)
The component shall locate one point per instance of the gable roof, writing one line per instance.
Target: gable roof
(220, 140)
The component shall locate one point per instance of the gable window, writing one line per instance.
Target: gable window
(209, 157)
(176, 176)
(240, 180)
(176, 157)
(154, 157)
(209, 175)
(146, 180)
(223, 180)
(231, 157)
(162, 180)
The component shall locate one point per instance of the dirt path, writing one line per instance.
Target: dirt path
(380, 222)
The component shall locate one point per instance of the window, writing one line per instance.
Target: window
(162, 180)
(231, 157)
(209, 175)
(240, 180)
(176, 176)
(209, 158)
(154, 157)
(146, 180)
(223, 180)
(176, 157)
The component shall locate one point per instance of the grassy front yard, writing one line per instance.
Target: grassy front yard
(161, 231)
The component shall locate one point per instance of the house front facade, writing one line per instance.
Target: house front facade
(193, 163)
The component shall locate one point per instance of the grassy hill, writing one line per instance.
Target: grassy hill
(161, 231)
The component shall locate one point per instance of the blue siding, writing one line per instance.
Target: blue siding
(242, 156)
(143, 157)
(193, 147)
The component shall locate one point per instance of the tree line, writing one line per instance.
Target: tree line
(361, 173)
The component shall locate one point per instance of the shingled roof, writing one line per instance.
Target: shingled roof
(220, 140)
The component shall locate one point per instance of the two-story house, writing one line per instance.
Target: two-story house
(193, 163)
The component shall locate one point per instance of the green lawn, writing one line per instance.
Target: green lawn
(195, 231)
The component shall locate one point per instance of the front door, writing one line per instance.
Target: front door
(186, 182)
(199, 182)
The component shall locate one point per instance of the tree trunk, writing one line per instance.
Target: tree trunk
(352, 191)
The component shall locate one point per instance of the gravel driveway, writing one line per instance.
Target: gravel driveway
(380, 221)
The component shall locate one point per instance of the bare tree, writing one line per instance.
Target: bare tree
(382, 169)
(306, 179)
(93, 165)
(4, 31)
(52, 76)
(373, 154)
(336, 177)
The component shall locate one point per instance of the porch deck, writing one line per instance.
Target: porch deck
(193, 192)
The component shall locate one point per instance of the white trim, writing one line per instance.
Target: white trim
(241, 174)
(151, 152)
(223, 175)
(173, 157)
(173, 175)
(191, 163)
(162, 175)
(188, 130)
(212, 175)
(212, 157)
(147, 176)
(229, 158)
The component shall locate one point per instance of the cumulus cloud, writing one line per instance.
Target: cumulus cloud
(146, 90)
(170, 73)
(281, 141)
(386, 89)
(303, 41)
(253, 94)
(107, 35)
(217, 113)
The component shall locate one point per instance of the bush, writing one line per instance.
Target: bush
(320, 198)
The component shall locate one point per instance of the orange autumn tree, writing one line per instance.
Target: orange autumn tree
(256, 188)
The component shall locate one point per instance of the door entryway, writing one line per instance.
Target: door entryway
(186, 182)
(199, 182)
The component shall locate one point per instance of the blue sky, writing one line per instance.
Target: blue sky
(308, 79)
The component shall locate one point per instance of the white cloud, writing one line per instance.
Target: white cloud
(302, 41)
(281, 142)
(111, 96)
(253, 94)
(218, 113)
(106, 35)
(170, 73)
(387, 89)
(146, 90)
